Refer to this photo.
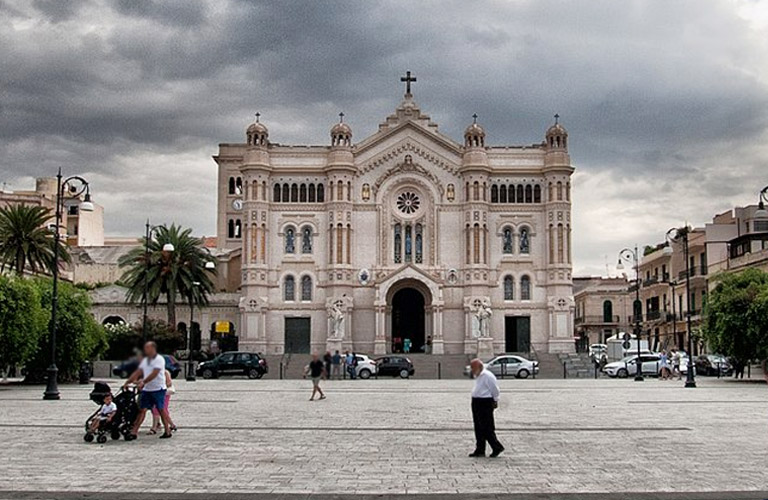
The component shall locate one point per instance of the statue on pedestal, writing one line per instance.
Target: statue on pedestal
(482, 315)
(336, 320)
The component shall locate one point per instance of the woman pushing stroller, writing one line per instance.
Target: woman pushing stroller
(151, 381)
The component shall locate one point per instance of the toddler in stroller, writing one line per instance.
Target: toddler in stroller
(115, 415)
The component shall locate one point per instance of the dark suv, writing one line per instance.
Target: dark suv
(234, 363)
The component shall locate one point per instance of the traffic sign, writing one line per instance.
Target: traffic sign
(626, 344)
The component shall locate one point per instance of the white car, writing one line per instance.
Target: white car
(628, 366)
(366, 367)
(508, 365)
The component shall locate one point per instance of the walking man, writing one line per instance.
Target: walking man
(316, 370)
(151, 381)
(485, 397)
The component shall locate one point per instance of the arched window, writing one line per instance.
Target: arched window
(525, 288)
(231, 185)
(231, 228)
(398, 243)
(520, 196)
(476, 191)
(560, 244)
(239, 185)
(294, 193)
(306, 240)
(537, 194)
(509, 288)
(607, 311)
(551, 194)
(303, 193)
(495, 193)
(289, 289)
(349, 191)
(340, 191)
(276, 193)
(525, 244)
(311, 194)
(503, 194)
(320, 193)
(408, 243)
(559, 191)
(511, 193)
(264, 190)
(286, 193)
(330, 191)
(290, 240)
(528, 194)
(238, 228)
(506, 239)
(419, 244)
(567, 191)
(306, 288)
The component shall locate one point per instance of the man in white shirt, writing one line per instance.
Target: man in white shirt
(151, 382)
(485, 398)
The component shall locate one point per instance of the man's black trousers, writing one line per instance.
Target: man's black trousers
(485, 427)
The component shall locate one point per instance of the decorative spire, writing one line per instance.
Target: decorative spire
(557, 118)
(474, 118)
(258, 115)
(341, 117)
(408, 79)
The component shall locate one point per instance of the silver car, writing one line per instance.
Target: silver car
(509, 365)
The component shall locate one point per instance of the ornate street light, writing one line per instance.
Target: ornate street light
(680, 235)
(167, 248)
(629, 255)
(209, 266)
(761, 212)
(74, 187)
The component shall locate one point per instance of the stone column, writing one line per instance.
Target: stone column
(380, 344)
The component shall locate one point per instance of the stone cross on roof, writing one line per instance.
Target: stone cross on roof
(408, 79)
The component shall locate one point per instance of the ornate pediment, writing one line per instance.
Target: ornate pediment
(408, 166)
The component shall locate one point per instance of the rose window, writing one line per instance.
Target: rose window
(408, 202)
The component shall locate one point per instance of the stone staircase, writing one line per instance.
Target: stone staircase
(426, 366)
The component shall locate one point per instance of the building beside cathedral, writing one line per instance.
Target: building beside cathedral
(405, 236)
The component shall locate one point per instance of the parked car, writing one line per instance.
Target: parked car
(366, 366)
(234, 363)
(712, 364)
(126, 368)
(507, 365)
(394, 366)
(598, 352)
(651, 366)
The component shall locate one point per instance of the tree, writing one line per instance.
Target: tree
(181, 272)
(124, 339)
(736, 322)
(25, 240)
(79, 337)
(22, 321)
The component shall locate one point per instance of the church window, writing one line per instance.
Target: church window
(525, 244)
(511, 193)
(349, 242)
(320, 193)
(231, 228)
(568, 242)
(495, 193)
(485, 191)
(340, 191)
(559, 191)
(419, 244)
(466, 192)
(276, 193)
(303, 193)
(289, 289)
(294, 193)
(529, 193)
(264, 190)
(560, 244)
(537, 194)
(239, 185)
(408, 202)
(286, 193)
(551, 244)
(398, 243)
(231, 185)
(330, 191)
(476, 191)
(306, 240)
(567, 191)
(506, 240)
(477, 244)
(366, 195)
(349, 191)
(525, 288)
(509, 288)
(451, 192)
(290, 240)
(467, 244)
(520, 193)
(238, 228)
(306, 288)
(551, 194)
(339, 244)
(503, 194)
(408, 243)
(311, 193)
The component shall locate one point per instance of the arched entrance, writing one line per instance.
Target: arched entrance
(410, 310)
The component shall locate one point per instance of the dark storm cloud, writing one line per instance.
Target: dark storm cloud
(662, 99)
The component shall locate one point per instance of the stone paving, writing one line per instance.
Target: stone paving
(393, 437)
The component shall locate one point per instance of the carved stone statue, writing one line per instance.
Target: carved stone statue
(336, 320)
(482, 316)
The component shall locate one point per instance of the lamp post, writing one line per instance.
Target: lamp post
(680, 235)
(630, 255)
(209, 266)
(76, 186)
(672, 286)
(168, 247)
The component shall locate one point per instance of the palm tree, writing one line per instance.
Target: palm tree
(26, 241)
(170, 274)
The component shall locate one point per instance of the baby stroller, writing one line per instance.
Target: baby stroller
(122, 421)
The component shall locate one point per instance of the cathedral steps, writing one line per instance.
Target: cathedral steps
(426, 366)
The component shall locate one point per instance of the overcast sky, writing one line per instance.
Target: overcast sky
(666, 103)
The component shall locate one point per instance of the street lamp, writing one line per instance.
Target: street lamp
(209, 266)
(761, 212)
(167, 248)
(75, 186)
(629, 255)
(680, 235)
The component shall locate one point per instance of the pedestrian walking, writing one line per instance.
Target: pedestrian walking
(327, 360)
(316, 369)
(485, 398)
(407, 346)
(676, 360)
(351, 363)
(336, 365)
(150, 377)
(428, 345)
(664, 363)
(169, 390)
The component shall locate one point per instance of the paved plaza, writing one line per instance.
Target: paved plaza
(384, 438)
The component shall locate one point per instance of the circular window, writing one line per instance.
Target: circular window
(408, 202)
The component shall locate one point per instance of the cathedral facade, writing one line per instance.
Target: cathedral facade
(403, 238)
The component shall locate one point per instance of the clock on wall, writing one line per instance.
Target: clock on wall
(237, 204)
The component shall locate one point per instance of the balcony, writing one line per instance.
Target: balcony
(597, 320)
(653, 315)
(654, 280)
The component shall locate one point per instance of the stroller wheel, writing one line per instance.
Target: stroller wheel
(115, 435)
(88, 437)
(101, 439)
